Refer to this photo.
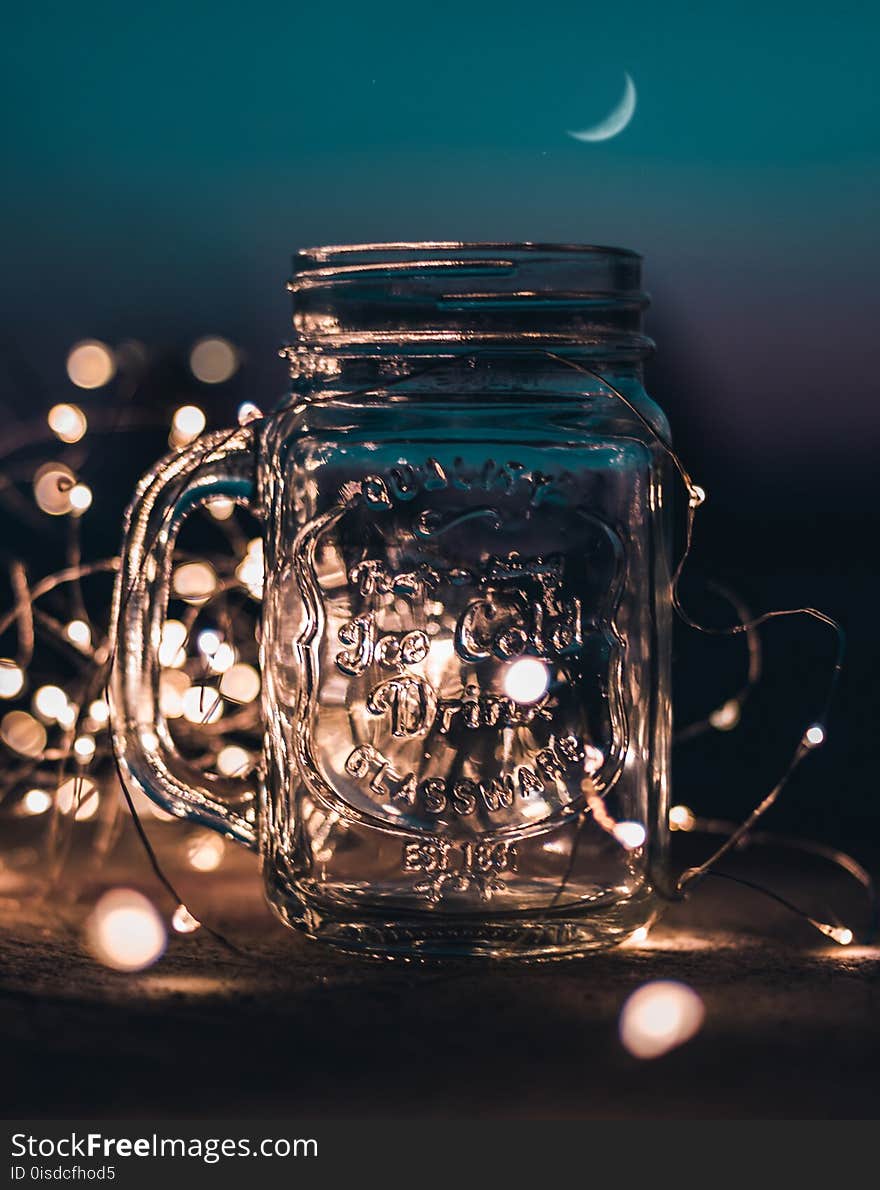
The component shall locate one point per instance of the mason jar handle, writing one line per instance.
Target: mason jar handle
(218, 464)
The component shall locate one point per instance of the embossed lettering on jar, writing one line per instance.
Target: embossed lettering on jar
(466, 610)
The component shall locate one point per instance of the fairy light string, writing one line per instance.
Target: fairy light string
(814, 734)
(96, 660)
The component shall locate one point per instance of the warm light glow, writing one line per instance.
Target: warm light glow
(594, 758)
(638, 936)
(202, 704)
(814, 736)
(79, 633)
(248, 412)
(67, 422)
(50, 703)
(208, 642)
(77, 793)
(696, 495)
(526, 680)
(11, 678)
(66, 717)
(99, 711)
(726, 717)
(125, 932)
(80, 497)
(183, 921)
(36, 801)
(173, 684)
(630, 835)
(681, 818)
(172, 654)
(53, 483)
(222, 659)
(221, 508)
(205, 851)
(240, 683)
(90, 364)
(195, 582)
(88, 803)
(23, 733)
(839, 934)
(84, 748)
(232, 761)
(250, 571)
(186, 425)
(213, 360)
(659, 1016)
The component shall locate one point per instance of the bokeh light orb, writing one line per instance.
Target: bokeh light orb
(659, 1016)
(67, 422)
(11, 678)
(91, 364)
(23, 733)
(125, 931)
(213, 360)
(526, 680)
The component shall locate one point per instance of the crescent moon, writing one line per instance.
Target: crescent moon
(615, 121)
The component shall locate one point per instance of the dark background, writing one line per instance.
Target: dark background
(162, 163)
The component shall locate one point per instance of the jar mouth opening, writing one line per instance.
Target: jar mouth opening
(468, 293)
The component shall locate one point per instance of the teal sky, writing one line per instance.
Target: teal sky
(163, 161)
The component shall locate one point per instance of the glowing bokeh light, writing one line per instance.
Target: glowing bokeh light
(99, 711)
(681, 818)
(80, 498)
(53, 483)
(201, 704)
(195, 582)
(79, 633)
(91, 364)
(526, 680)
(173, 685)
(250, 570)
(186, 425)
(50, 703)
(630, 835)
(221, 508)
(248, 412)
(659, 1016)
(125, 932)
(36, 801)
(11, 678)
(84, 748)
(67, 422)
(172, 654)
(240, 683)
(79, 794)
(814, 736)
(183, 921)
(208, 642)
(205, 851)
(213, 360)
(232, 760)
(222, 659)
(726, 717)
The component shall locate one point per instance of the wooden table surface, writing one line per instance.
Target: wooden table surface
(287, 1028)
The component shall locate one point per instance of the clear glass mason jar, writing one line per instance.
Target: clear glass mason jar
(466, 618)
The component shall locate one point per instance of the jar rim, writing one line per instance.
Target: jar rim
(329, 254)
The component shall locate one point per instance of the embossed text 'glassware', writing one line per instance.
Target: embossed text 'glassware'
(466, 610)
